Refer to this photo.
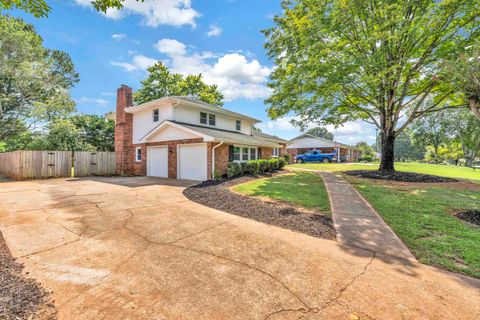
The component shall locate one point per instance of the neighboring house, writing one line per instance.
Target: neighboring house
(183, 138)
(306, 142)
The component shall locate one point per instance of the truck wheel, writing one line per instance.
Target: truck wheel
(326, 160)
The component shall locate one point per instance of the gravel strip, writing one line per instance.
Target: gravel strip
(20, 297)
(472, 216)
(218, 196)
(398, 176)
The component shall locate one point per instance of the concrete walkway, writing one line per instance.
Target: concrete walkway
(357, 223)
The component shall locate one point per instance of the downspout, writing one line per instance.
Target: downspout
(213, 157)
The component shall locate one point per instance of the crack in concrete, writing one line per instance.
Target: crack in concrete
(330, 302)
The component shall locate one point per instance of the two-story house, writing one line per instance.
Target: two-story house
(183, 138)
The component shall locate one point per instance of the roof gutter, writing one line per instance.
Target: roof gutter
(213, 158)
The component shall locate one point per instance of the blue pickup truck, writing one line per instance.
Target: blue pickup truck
(316, 156)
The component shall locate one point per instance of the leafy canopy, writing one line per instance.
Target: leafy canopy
(339, 60)
(160, 82)
(40, 8)
(320, 132)
(34, 81)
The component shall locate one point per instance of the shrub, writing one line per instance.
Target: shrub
(253, 167)
(217, 174)
(244, 167)
(272, 165)
(234, 169)
(263, 166)
(281, 163)
(286, 158)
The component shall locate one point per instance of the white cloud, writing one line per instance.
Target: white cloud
(171, 47)
(119, 36)
(139, 63)
(154, 12)
(87, 100)
(235, 75)
(214, 31)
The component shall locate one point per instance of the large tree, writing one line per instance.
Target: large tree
(40, 8)
(340, 60)
(320, 132)
(160, 82)
(466, 128)
(34, 81)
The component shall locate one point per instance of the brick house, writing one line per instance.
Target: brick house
(183, 138)
(307, 142)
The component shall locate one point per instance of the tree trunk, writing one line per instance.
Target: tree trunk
(388, 153)
(475, 106)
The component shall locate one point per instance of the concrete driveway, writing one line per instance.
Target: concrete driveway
(135, 248)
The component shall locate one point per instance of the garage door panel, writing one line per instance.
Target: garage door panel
(192, 161)
(157, 162)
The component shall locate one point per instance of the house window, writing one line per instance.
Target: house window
(238, 125)
(155, 115)
(236, 153)
(275, 152)
(253, 153)
(245, 154)
(203, 118)
(138, 154)
(211, 119)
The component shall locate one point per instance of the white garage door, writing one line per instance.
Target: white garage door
(192, 161)
(157, 162)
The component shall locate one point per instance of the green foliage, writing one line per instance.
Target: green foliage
(320, 132)
(40, 8)
(34, 81)
(365, 158)
(466, 129)
(405, 150)
(262, 166)
(253, 167)
(367, 151)
(342, 60)
(287, 157)
(431, 130)
(281, 163)
(234, 169)
(160, 82)
(95, 131)
(217, 174)
(272, 165)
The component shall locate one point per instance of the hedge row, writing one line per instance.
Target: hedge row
(254, 166)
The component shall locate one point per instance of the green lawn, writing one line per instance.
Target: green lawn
(421, 217)
(434, 169)
(305, 189)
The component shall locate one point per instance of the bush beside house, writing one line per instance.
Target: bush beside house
(254, 167)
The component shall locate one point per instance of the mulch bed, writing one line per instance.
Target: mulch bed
(217, 195)
(398, 176)
(20, 297)
(472, 216)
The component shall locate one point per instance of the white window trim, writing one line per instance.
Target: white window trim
(275, 154)
(136, 154)
(208, 119)
(249, 154)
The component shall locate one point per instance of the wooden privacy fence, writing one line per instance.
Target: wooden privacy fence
(22, 165)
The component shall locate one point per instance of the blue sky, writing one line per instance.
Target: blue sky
(222, 39)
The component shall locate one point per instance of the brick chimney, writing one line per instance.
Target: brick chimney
(124, 150)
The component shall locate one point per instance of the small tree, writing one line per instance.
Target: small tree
(40, 8)
(160, 82)
(321, 132)
(95, 131)
(342, 60)
(466, 128)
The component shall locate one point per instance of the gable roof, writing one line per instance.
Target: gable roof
(320, 139)
(190, 101)
(212, 134)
